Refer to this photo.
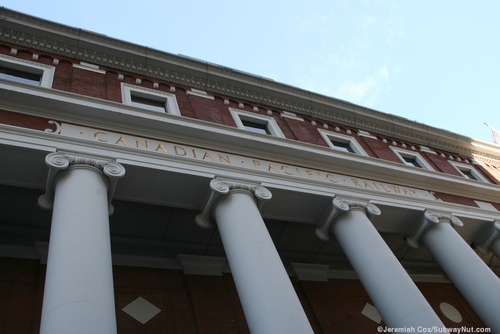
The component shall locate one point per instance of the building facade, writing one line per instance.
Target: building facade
(145, 192)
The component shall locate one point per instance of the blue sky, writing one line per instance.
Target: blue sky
(434, 62)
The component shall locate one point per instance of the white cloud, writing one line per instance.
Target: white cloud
(367, 90)
(384, 73)
(357, 91)
(348, 51)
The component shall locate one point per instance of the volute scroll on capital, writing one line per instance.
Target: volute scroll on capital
(340, 206)
(489, 238)
(222, 187)
(59, 162)
(428, 220)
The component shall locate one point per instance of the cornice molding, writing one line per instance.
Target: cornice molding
(215, 78)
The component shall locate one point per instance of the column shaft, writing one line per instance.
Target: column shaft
(395, 295)
(78, 296)
(266, 293)
(470, 275)
(495, 247)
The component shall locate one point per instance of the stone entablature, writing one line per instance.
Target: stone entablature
(197, 154)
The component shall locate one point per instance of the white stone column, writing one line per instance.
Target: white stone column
(78, 295)
(470, 275)
(389, 286)
(265, 290)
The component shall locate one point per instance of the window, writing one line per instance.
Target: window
(341, 142)
(149, 99)
(26, 72)
(410, 158)
(342, 146)
(468, 174)
(255, 127)
(255, 123)
(20, 76)
(411, 161)
(467, 171)
(148, 103)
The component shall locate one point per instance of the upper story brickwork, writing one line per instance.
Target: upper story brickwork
(102, 82)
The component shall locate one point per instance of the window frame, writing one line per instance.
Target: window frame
(46, 72)
(461, 168)
(169, 99)
(268, 122)
(401, 153)
(353, 144)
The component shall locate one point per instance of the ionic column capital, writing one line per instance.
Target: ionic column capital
(340, 206)
(222, 187)
(428, 220)
(59, 162)
(489, 237)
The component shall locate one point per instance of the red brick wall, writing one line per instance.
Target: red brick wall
(165, 289)
(337, 305)
(205, 304)
(216, 304)
(21, 286)
(436, 294)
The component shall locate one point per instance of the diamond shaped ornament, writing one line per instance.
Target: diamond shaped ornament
(141, 310)
(371, 312)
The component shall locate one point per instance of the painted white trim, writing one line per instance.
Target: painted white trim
(426, 149)
(329, 135)
(363, 133)
(291, 115)
(171, 106)
(45, 71)
(270, 122)
(89, 67)
(400, 153)
(200, 93)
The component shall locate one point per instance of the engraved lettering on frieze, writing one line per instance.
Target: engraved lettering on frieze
(209, 156)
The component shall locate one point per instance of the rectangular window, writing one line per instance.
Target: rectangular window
(20, 76)
(342, 146)
(150, 99)
(26, 72)
(146, 103)
(342, 142)
(255, 127)
(468, 174)
(411, 161)
(411, 158)
(260, 124)
(468, 171)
